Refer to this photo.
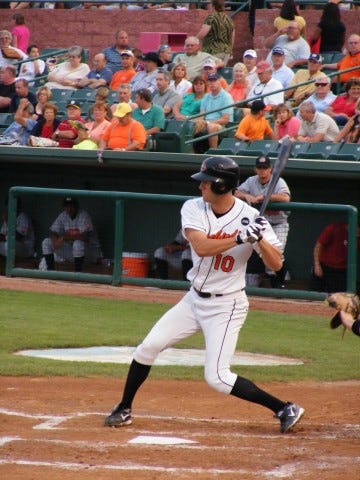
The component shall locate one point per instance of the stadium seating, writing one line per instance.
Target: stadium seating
(321, 150)
(299, 148)
(6, 119)
(228, 146)
(173, 139)
(260, 147)
(348, 151)
(84, 94)
(61, 95)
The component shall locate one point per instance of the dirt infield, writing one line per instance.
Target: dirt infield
(52, 427)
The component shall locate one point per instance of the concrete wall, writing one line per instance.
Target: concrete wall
(95, 29)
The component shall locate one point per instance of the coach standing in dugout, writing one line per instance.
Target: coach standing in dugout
(253, 191)
(223, 231)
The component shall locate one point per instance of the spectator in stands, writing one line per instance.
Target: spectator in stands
(351, 131)
(9, 55)
(20, 33)
(43, 96)
(24, 233)
(286, 123)
(217, 33)
(315, 126)
(65, 133)
(214, 122)
(322, 96)
(138, 60)
(124, 96)
(177, 254)
(313, 72)
(266, 85)
(239, 87)
(102, 95)
(124, 133)
(250, 61)
(147, 77)
(165, 58)
(288, 13)
(210, 68)
(296, 48)
(100, 123)
(150, 115)
(45, 127)
(73, 238)
(351, 59)
(100, 76)
(66, 75)
(191, 102)
(330, 30)
(19, 130)
(254, 125)
(343, 107)
(164, 96)
(330, 258)
(179, 80)
(280, 71)
(21, 91)
(113, 53)
(19, 5)
(7, 86)
(253, 191)
(193, 58)
(127, 71)
(30, 70)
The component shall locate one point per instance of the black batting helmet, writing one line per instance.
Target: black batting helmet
(223, 172)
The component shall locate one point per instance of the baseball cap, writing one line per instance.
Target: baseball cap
(213, 76)
(277, 51)
(209, 63)
(250, 53)
(262, 66)
(122, 109)
(316, 57)
(70, 201)
(263, 162)
(128, 53)
(74, 104)
(257, 105)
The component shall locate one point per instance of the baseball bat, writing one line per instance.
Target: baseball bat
(278, 168)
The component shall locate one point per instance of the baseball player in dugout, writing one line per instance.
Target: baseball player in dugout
(223, 231)
(73, 238)
(253, 191)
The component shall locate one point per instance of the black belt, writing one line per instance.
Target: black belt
(208, 294)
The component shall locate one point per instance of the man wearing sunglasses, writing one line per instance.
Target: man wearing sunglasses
(322, 97)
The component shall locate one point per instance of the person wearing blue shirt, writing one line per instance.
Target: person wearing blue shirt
(100, 76)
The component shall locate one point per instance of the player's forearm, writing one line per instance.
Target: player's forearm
(270, 255)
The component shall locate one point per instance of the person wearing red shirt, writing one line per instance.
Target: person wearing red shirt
(330, 258)
(65, 133)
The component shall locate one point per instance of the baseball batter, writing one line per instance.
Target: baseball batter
(220, 229)
(253, 191)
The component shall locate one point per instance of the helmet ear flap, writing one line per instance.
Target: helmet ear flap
(219, 187)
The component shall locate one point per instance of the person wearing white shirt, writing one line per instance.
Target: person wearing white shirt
(29, 70)
(315, 126)
(266, 85)
(281, 71)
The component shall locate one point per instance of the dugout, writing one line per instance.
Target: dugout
(150, 224)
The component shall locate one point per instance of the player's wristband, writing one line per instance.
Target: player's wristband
(238, 239)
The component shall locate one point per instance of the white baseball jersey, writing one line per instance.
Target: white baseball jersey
(82, 221)
(224, 273)
(253, 186)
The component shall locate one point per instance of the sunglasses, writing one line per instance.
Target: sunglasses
(321, 84)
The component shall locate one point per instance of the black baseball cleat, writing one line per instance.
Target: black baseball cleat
(118, 418)
(289, 416)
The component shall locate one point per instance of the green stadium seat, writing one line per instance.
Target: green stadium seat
(321, 150)
(327, 57)
(260, 147)
(113, 97)
(347, 151)
(84, 94)
(227, 73)
(61, 95)
(337, 56)
(228, 146)
(299, 148)
(173, 139)
(6, 119)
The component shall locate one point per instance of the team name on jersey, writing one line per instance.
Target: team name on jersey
(220, 234)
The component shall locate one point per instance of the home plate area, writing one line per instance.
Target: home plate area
(52, 428)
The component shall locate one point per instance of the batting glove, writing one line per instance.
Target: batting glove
(253, 233)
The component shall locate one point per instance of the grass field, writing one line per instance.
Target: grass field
(39, 320)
